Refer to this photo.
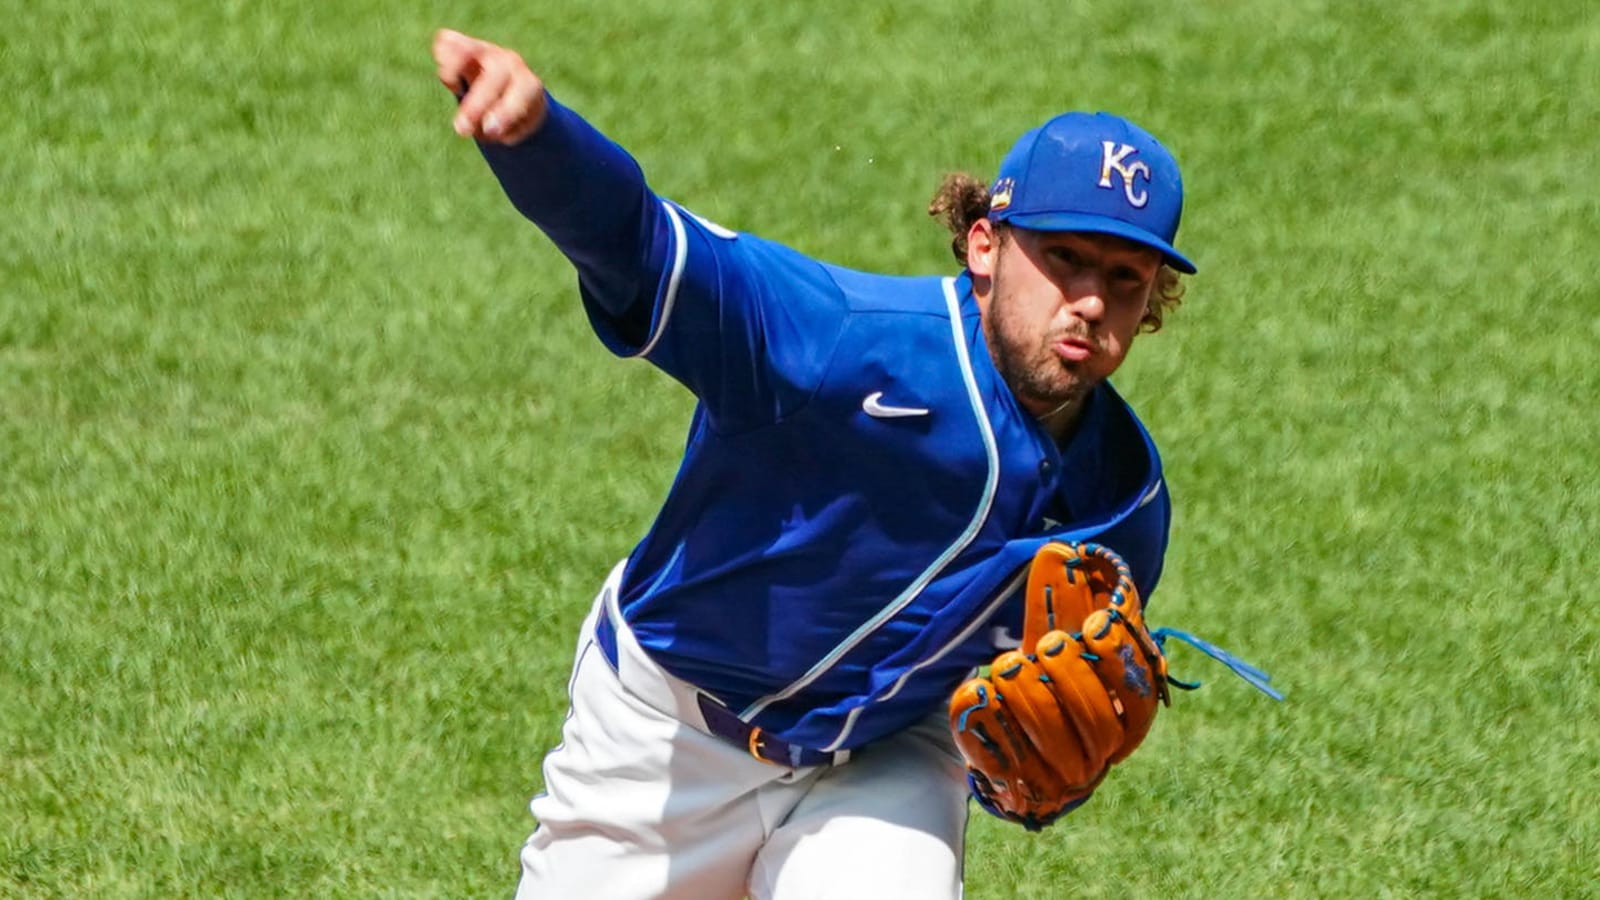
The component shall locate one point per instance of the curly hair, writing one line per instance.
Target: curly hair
(962, 200)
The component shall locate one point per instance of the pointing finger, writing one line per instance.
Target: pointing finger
(457, 58)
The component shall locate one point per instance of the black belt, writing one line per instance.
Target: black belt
(723, 723)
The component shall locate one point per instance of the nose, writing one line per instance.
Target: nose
(1086, 296)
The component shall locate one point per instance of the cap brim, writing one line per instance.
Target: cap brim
(1102, 225)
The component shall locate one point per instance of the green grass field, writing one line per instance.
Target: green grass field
(309, 465)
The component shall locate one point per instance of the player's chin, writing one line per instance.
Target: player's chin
(1071, 382)
(1078, 378)
(1063, 393)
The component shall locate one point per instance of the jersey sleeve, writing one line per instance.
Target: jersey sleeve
(746, 324)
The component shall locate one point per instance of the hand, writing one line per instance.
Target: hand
(502, 101)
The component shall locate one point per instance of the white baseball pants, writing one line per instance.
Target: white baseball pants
(641, 802)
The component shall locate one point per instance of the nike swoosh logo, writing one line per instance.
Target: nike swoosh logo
(876, 408)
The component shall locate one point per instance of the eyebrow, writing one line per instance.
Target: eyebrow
(1137, 254)
(1112, 241)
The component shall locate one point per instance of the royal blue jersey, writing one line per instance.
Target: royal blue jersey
(860, 490)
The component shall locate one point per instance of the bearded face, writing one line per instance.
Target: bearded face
(1063, 310)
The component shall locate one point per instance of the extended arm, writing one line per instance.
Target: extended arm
(582, 190)
(746, 324)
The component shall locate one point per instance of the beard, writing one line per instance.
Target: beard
(1029, 365)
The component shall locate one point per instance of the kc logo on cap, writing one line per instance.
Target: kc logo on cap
(1111, 160)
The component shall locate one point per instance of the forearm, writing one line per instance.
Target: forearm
(590, 198)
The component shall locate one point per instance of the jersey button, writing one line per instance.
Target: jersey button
(1046, 469)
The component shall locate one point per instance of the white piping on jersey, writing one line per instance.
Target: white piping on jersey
(991, 483)
(1149, 495)
(1006, 593)
(680, 253)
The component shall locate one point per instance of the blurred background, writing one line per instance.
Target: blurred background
(309, 465)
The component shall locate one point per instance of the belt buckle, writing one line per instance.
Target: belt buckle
(757, 745)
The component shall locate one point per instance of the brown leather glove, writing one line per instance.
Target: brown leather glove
(1042, 729)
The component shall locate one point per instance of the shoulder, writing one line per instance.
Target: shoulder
(858, 291)
(868, 292)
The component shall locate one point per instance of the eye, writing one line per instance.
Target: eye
(1128, 277)
(1066, 256)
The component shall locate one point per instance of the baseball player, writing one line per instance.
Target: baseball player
(761, 697)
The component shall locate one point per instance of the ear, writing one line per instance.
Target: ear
(983, 248)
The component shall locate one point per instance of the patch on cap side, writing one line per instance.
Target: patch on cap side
(1000, 194)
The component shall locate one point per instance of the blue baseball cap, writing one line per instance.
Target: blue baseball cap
(1092, 172)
